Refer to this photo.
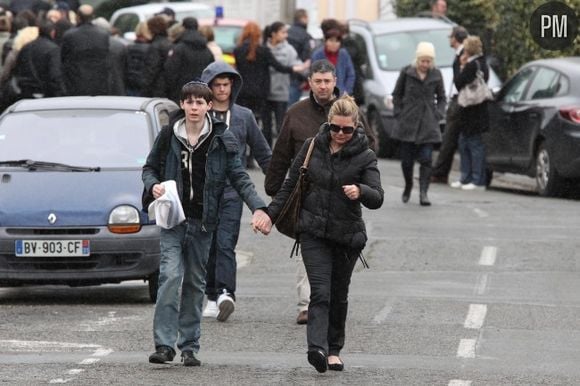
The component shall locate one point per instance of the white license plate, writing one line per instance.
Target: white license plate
(53, 248)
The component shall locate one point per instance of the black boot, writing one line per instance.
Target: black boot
(407, 193)
(424, 179)
(408, 175)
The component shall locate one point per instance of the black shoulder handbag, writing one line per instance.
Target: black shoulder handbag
(287, 220)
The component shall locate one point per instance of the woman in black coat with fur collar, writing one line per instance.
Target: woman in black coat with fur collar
(342, 174)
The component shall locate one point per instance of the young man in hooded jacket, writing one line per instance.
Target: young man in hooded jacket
(226, 83)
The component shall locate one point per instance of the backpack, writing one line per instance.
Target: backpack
(164, 143)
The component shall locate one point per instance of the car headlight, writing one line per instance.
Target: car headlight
(124, 219)
(388, 101)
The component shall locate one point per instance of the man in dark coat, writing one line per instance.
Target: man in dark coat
(300, 39)
(451, 136)
(38, 66)
(187, 59)
(302, 121)
(84, 53)
(154, 82)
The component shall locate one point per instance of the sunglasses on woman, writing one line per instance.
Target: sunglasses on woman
(345, 129)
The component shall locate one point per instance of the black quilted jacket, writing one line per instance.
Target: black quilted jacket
(326, 211)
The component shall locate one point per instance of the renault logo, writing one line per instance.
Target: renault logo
(52, 218)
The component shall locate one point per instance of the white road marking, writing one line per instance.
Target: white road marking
(39, 345)
(481, 285)
(102, 352)
(59, 380)
(466, 348)
(89, 361)
(480, 213)
(74, 371)
(488, 256)
(459, 382)
(383, 314)
(475, 316)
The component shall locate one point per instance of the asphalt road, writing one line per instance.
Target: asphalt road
(482, 288)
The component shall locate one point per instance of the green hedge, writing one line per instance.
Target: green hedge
(503, 26)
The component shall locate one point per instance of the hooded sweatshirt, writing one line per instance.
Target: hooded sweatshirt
(242, 122)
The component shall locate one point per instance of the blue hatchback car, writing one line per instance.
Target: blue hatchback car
(70, 191)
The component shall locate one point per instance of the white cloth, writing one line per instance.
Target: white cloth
(167, 210)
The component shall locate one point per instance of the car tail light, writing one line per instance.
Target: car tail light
(571, 114)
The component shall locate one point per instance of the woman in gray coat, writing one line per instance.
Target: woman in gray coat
(417, 88)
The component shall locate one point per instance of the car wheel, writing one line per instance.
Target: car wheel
(548, 182)
(153, 281)
(387, 146)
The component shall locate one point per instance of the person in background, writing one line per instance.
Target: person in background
(85, 56)
(136, 54)
(339, 57)
(225, 83)
(186, 59)
(201, 155)
(448, 147)
(303, 120)
(207, 32)
(343, 176)
(418, 87)
(5, 28)
(473, 121)
(303, 43)
(277, 101)
(253, 62)
(169, 15)
(154, 82)
(357, 56)
(38, 66)
(175, 32)
(117, 59)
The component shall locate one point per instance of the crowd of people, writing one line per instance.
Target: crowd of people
(64, 50)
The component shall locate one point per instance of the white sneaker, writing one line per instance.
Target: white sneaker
(456, 184)
(211, 310)
(472, 186)
(226, 306)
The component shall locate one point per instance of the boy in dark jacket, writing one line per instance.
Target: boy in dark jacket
(202, 154)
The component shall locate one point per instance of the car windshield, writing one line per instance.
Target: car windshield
(227, 37)
(396, 50)
(96, 138)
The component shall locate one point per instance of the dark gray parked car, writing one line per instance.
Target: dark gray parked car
(535, 125)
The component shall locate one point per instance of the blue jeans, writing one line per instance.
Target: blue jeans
(184, 254)
(472, 152)
(221, 266)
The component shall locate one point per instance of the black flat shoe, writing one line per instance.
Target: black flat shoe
(318, 359)
(336, 366)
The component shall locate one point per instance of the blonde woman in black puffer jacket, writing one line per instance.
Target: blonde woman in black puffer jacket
(342, 176)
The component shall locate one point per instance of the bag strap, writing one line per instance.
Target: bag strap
(308, 154)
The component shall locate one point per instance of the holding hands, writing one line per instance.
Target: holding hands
(261, 222)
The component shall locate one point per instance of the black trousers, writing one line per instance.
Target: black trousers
(450, 141)
(329, 270)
